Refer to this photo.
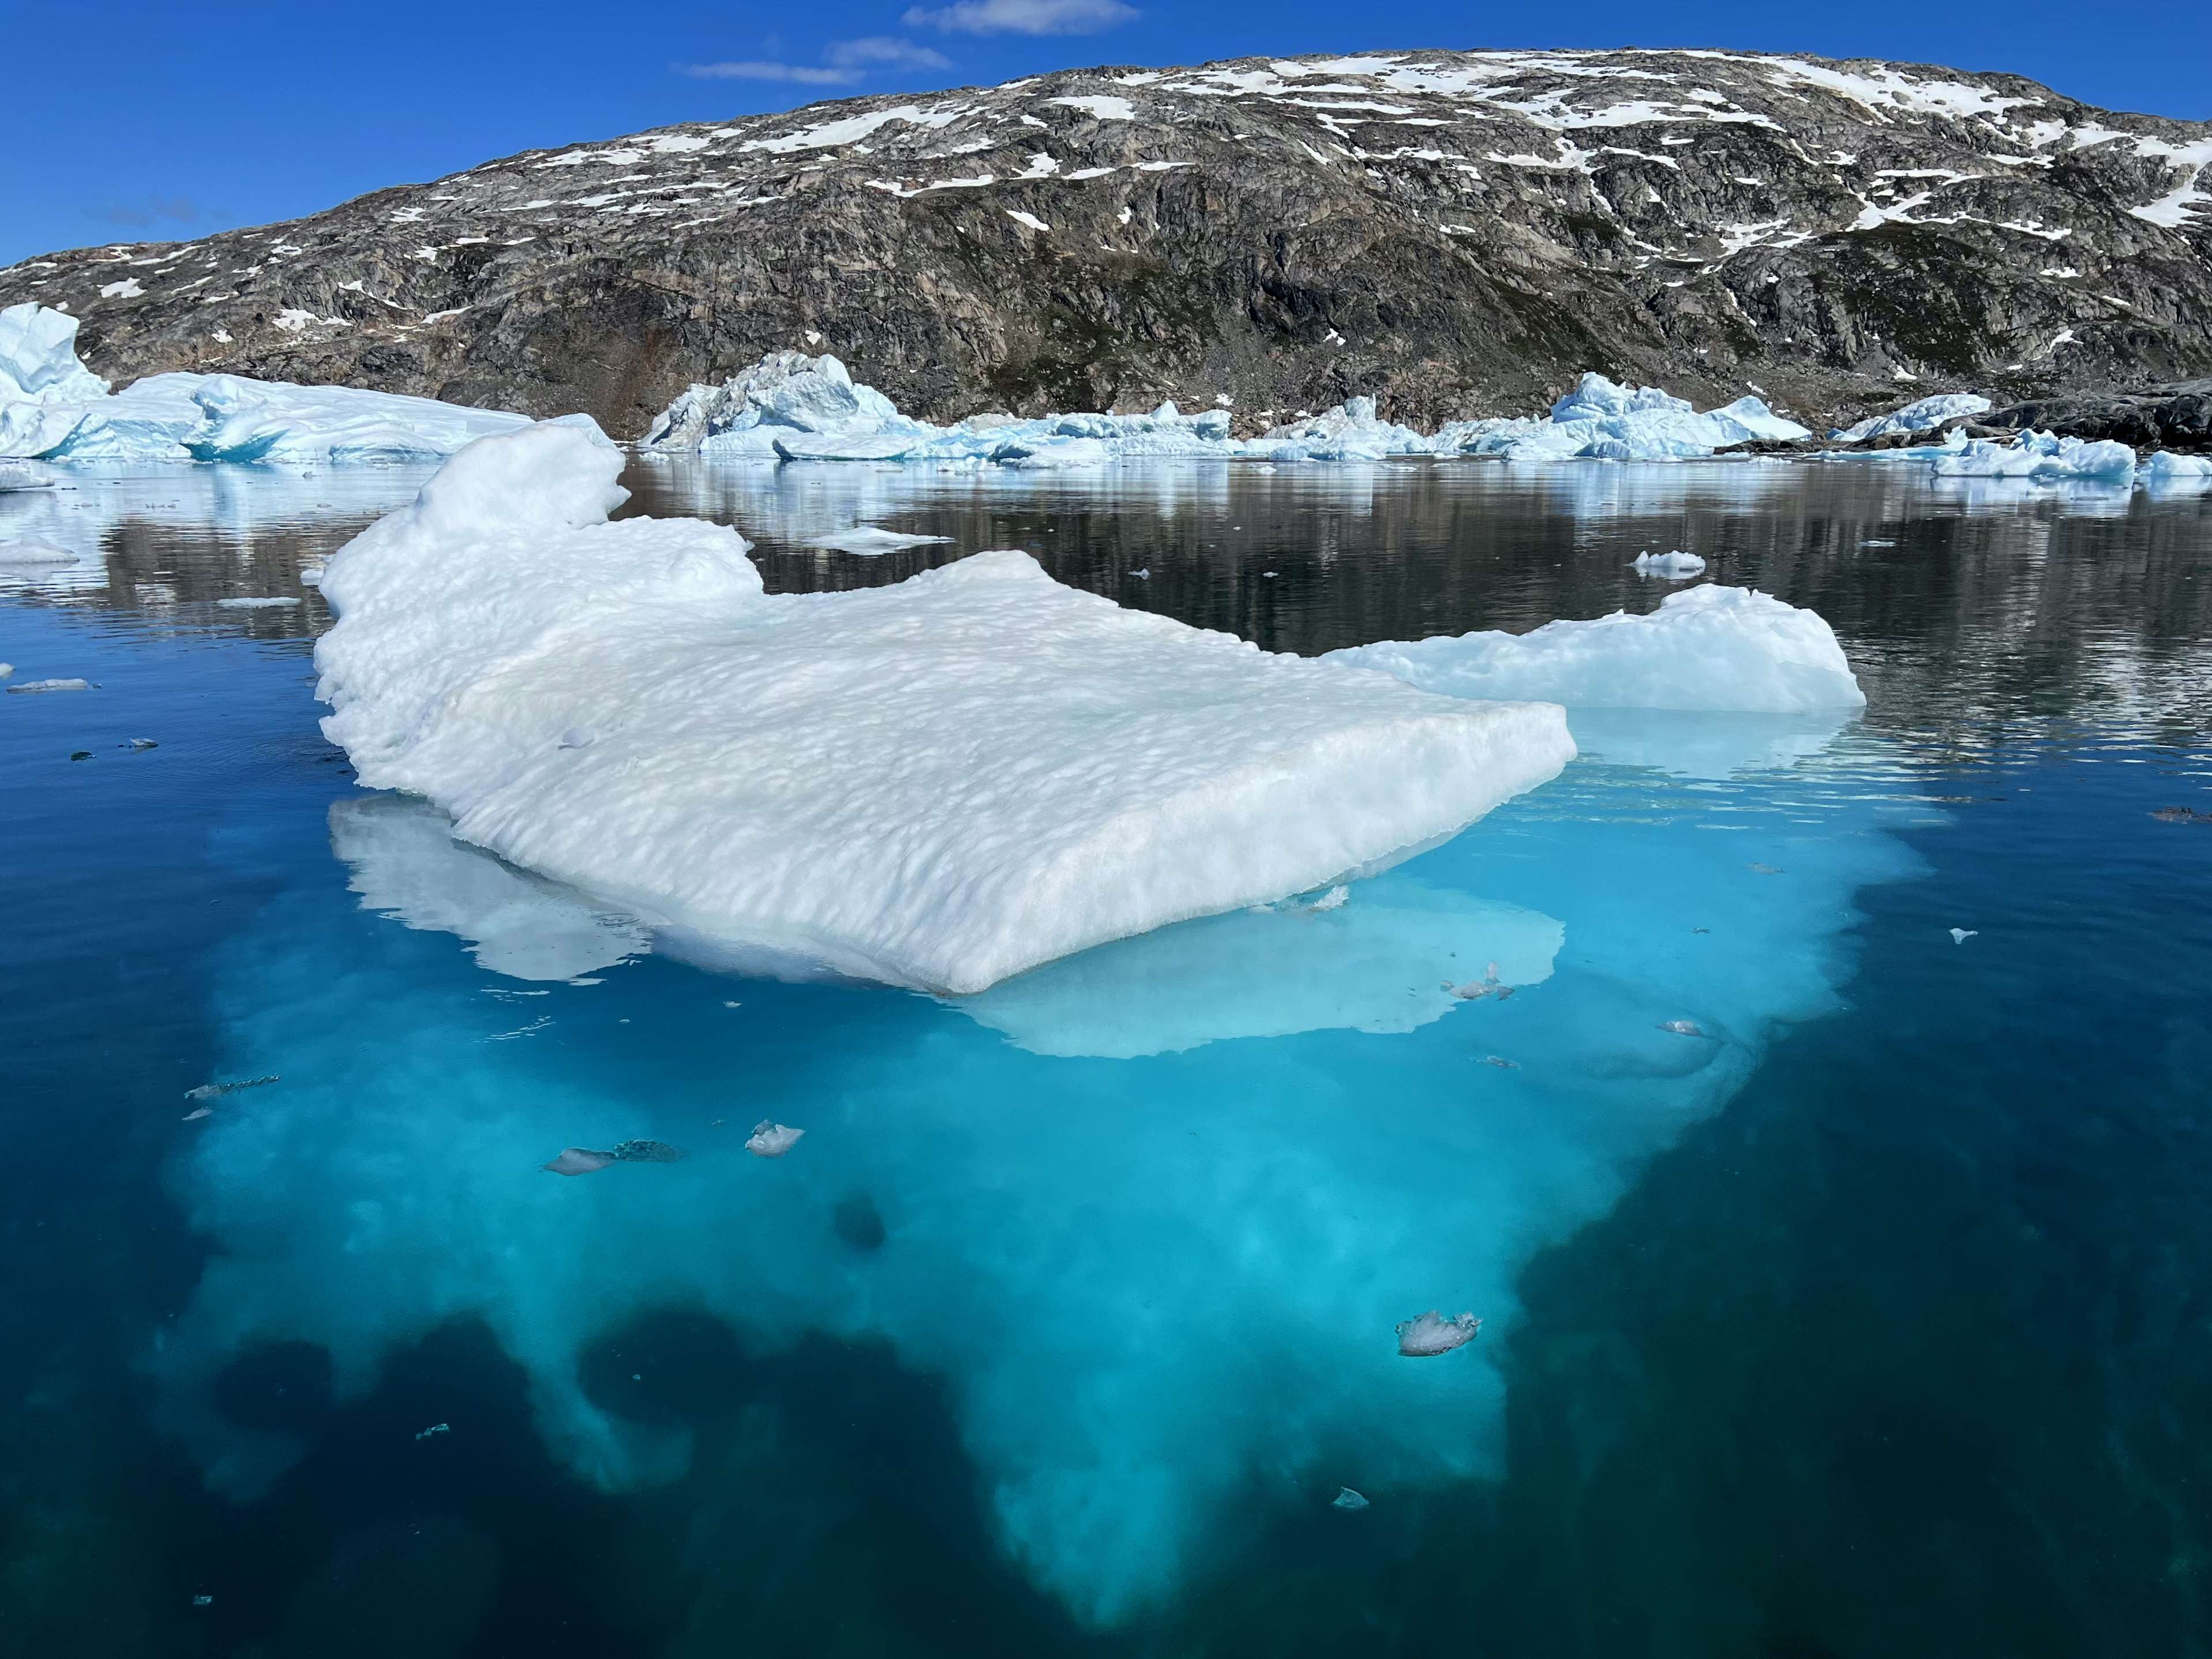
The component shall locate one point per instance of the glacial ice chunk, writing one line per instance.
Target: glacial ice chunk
(35, 550)
(869, 539)
(1429, 1335)
(772, 1140)
(52, 407)
(2166, 468)
(936, 783)
(1705, 649)
(2041, 455)
(1673, 565)
(1600, 420)
(1920, 417)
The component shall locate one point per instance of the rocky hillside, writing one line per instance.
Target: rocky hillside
(1456, 233)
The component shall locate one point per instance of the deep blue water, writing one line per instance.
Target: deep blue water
(1869, 1322)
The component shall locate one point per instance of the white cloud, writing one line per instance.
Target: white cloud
(1023, 16)
(804, 74)
(889, 53)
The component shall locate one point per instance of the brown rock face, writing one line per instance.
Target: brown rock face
(1455, 233)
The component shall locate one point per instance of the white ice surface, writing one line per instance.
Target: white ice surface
(2166, 468)
(937, 784)
(2041, 455)
(53, 408)
(1916, 416)
(1706, 648)
(792, 407)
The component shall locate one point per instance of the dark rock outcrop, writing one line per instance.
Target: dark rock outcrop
(1459, 234)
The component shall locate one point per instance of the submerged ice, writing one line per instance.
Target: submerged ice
(1161, 1289)
(53, 408)
(937, 784)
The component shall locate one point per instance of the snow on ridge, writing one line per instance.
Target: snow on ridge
(937, 784)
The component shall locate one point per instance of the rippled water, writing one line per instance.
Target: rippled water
(1867, 1323)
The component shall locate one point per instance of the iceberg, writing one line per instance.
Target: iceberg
(1924, 416)
(2166, 469)
(1677, 566)
(935, 784)
(53, 408)
(1600, 420)
(1708, 648)
(792, 407)
(2041, 455)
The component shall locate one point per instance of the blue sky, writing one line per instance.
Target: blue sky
(171, 120)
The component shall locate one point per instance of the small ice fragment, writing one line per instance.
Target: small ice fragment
(1347, 1498)
(579, 1161)
(255, 604)
(203, 1601)
(210, 1091)
(1960, 935)
(1142, 573)
(139, 743)
(2177, 815)
(1488, 986)
(1675, 566)
(34, 550)
(1501, 1062)
(311, 575)
(31, 687)
(6, 669)
(436, 1428)
(772, 1140)
(647, 1151)
(578, 737)
(195, 1116)
(1268, 573)
(1766, 869)
(1431, 1333)
(733, 1005)
(1336, 899)
(1682, 1027)
(870, 539)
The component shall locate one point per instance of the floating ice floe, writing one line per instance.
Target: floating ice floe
(772, 1140)
(936, 783)
(1920, 417)
(53, 408)
(1675, 566)
(1428, 1335)
(269, 604)
(35, 550)
(584, 1160)
(1728, 649)
(216, 1091)
(2166, 468)
(1682, 1027)
(23, 475)
(1600, 420)
(1960, 935)
(868, 540)
(31, 687)
(2041, 455)
(792, 407)
(1347, 1498)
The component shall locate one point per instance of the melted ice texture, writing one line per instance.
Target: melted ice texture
(936, 783)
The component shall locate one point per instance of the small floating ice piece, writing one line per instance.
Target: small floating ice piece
(1431, 1333)
(579, 1161)
(1960, 935)
(6, 670)
(2181, 815)
(1143, 573)
(212, 1091)
(196, 1114)
(436, 1428)
(1501, 1062)
(35, 549)
(32, 687)
(270, 604)
(1675, 566)
(869, 539)
(772, 1140)
(1767, 869)
(1475, 990)
(1682, 1027)
(138, 743)
(1347, 1498)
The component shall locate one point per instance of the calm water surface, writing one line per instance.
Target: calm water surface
(1872, 1322)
